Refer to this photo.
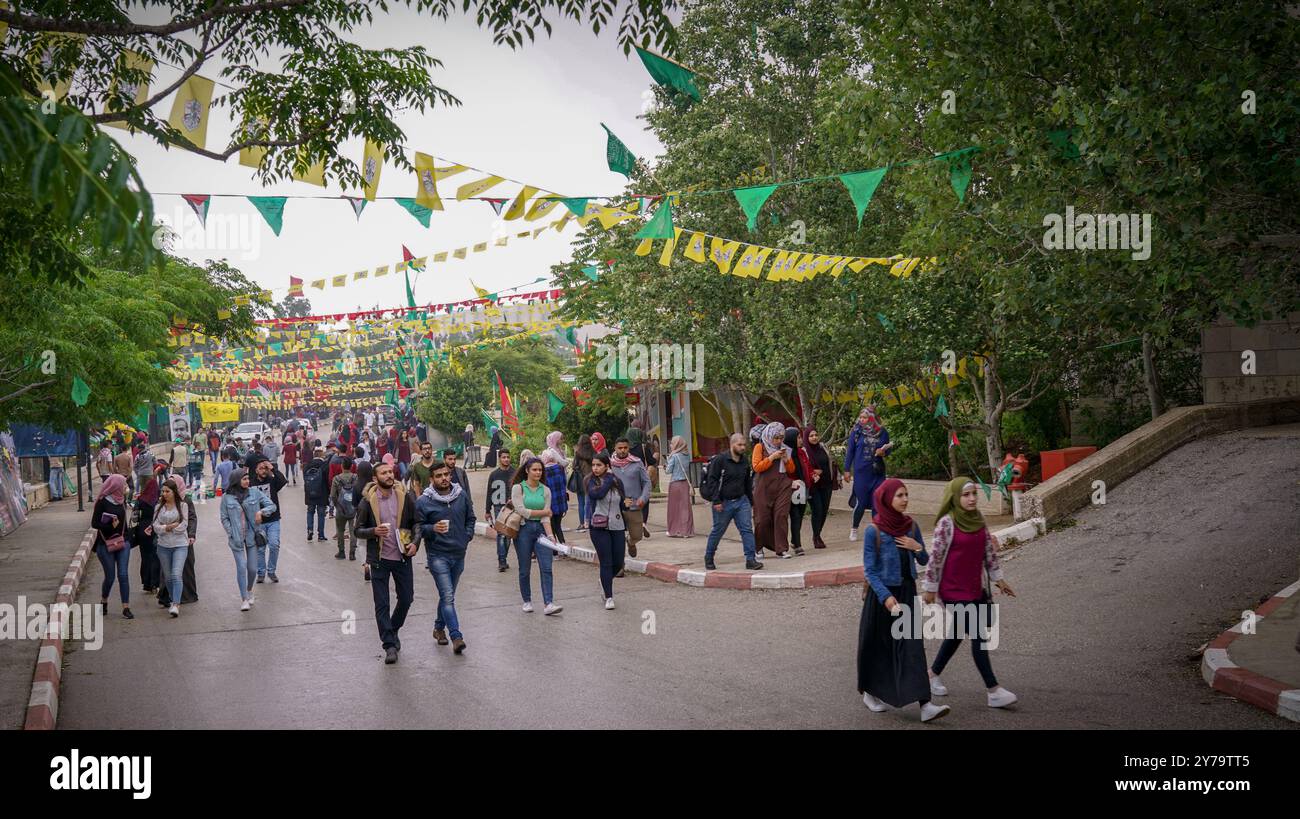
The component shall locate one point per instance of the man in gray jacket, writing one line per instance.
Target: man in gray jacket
(636, 487)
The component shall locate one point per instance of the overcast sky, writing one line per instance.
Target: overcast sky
(531, 114)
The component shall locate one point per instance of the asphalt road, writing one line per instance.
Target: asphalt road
(1102, 634)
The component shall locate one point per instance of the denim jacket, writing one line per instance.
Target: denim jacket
(239, 519)
(882, 568)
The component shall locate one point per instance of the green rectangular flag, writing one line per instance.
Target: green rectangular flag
(554, 405)
(620, 159)
(669, 74)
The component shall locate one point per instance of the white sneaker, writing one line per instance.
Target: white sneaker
(174, 611)
(609, 603)
(853, 534)
(1001, 698)
(930, 711)
(251, 599)
(787, 555)
(873, 703)
(937, 687)
(244, 606)
(552, 608)
(528, 607)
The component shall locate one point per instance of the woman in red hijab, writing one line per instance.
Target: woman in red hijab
(892, 670)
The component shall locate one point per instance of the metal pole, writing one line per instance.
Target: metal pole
(81, 495)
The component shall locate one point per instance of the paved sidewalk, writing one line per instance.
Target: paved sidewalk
(33, 561)
(840, 562)
(1261, 668)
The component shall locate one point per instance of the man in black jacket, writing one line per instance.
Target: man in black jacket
(385, 520)
(264, 474)
(316, 492)
(458, 474)
(732, 482)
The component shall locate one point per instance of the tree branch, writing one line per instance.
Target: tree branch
(114, 116)
(28, 22)
(17, 393)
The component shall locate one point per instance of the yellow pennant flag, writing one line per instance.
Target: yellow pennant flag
(252, 157)
(480, 247)
(695, 248)
(524, 235)
(191, 108)
(537, 231)
(459, 253)
(4, 27)
(666, 256)
(360, 274)
(340, 281)
(240, 301)
(782, 265)
(612, 216)
(399, 267)
(138, 92)
(419, 262)
(643, 249)
(478, 186)
(540, 208)
(751, 261)
(42, 60)
(319, 284)
(722, 253)
(501, 242)
(426, 178)
(904, 267)
(315, 173)
(440, 257)
(516, 208)
(381, 271)
(372, 162)
(839, 266)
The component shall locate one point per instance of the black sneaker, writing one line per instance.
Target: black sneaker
(753, 564)
(261, 578)
(390, 655)
(309, 537)
(709, 564)
(274, 579)
(502, 567)
(798, 550)
(340, 556)
(127, 614)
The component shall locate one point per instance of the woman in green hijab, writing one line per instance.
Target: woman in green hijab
(962, 551)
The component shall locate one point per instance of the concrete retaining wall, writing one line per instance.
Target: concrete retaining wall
(1072, 489)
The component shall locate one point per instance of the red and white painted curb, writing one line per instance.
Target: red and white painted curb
(43, 706)
(702, 578)
(1222, 674)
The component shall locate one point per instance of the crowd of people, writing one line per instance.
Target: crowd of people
(393, 491)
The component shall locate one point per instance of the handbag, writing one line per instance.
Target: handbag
(600, 521)
(259, 540)
(508, 522)
(573, 481)
(116, 543)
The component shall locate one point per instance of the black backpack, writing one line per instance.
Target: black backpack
(709, 485)
(313, 477)
(344, 508)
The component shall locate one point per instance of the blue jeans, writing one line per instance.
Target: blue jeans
(742, 513)
(116, 565)
(503, 542)
(270, 531)
(213, 456)
(446, 572)
(611, 546)
(316, 510)
(172, 560)
(525, 545)
(582, 505)
(245, 569)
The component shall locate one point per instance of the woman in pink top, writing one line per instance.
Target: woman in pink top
(963, 549)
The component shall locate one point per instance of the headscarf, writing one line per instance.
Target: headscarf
(468, 428)
(597, 442)
(756, 433)
(967, 520)
(873, 422)
(553, 439)
(887, 518)
(548, 457)
(553, 450)
(114, 489)
(584, 449)
(149, 494)
(676, 445)
(773, 437)
(233, 487)
(811, 447)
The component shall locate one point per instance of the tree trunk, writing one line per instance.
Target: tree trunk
(1155, 396)
(993, 409)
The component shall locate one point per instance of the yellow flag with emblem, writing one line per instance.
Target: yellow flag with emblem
(372, 164)
(191, 109)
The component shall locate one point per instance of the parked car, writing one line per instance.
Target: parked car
(244, 432)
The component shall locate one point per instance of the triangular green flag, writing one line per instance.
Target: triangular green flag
(751, 201)
(554, 406)
(960, 172)
(988, 493)
(620, 159)
(660, 225)
(592, 272)
(1004, 476)
(492, 426)
(941, 408)
(669, 74)
(80, 391)
(272, 210)
(195, 363)
(862, 186)
(277, 347)
(141, 420)
(571, 335)
(577, 205)
(420, 212)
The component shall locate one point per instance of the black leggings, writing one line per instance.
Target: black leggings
(858, 511)
(820, 501)
(796, 523)
(611, 546)
(977, 650)
(556, 529)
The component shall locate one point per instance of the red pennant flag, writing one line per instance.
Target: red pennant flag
(295, 287)
(952, 438)
(508, 417)
(199, 203)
